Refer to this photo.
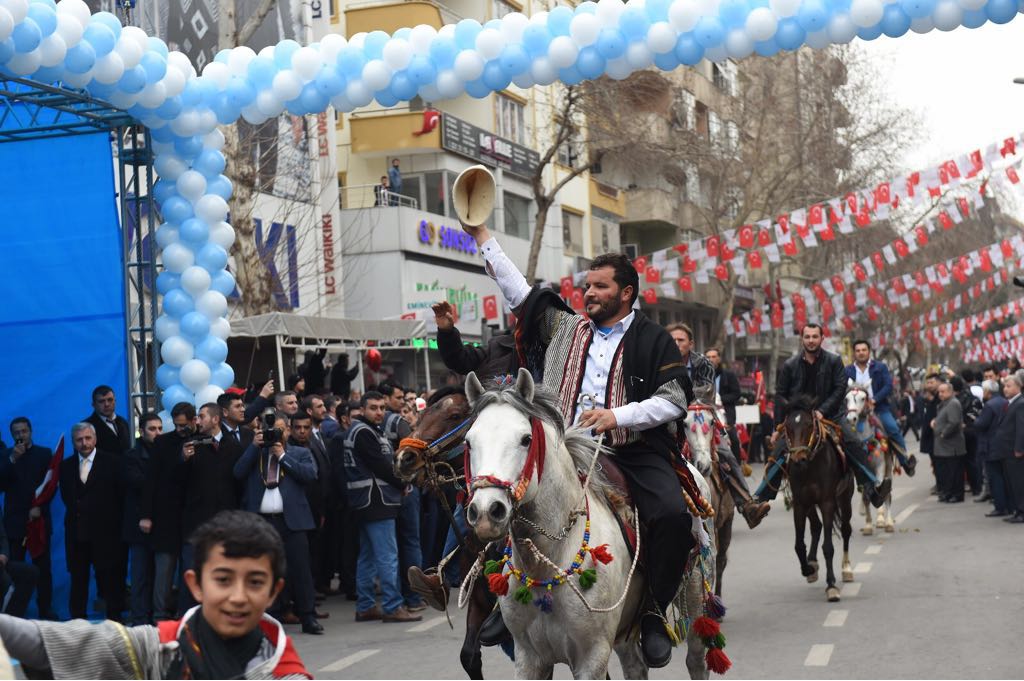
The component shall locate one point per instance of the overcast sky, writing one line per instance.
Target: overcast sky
(960, 83)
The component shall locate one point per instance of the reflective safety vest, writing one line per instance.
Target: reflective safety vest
(360, 481)
(391, 421)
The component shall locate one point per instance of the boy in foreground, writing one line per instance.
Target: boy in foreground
(239, 570)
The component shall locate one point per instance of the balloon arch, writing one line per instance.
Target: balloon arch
(64, 42)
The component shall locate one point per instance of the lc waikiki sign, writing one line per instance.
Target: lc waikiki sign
(448, 238)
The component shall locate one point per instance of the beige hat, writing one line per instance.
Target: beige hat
(473, 195)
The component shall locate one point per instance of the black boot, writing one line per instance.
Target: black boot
(880, 493)
(493, 631)
(655, 643)
(910, 466)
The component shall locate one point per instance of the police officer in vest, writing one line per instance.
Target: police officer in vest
(375, 498)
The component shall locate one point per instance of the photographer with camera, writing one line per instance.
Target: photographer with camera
(274, 475)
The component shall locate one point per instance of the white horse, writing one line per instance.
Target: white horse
(541, 517)
(880, 457)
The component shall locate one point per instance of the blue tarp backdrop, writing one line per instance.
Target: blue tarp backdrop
(62, 307)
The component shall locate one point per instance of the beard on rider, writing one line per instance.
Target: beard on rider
(604, 299)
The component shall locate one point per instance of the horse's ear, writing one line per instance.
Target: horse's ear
(849, 383)
(474, 389)
(524, 384)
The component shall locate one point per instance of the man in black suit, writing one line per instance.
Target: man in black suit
(728, 388)
(275, 476)
(1007, 446)
(143, 561)
(112, 432)
(92, 488)
(207, 472)
(22, 470)
(320, 494)
(232, 418)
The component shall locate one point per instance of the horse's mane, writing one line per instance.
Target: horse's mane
(444, 392)
(802, 403)
(545, 407)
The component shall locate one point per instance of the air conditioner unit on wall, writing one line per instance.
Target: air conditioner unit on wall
(631, 251)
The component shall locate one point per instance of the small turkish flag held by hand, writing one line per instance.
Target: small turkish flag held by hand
(650, 296)
(490, 307)
(652, 275)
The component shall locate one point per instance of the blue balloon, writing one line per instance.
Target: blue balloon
(212, 258)
(536, 40)
(495, 77)
(154, 65)
(386, 98)
(657, 10)
(240, 92)
(222, 56)
(667, 61)
(166, 281)
(514, 60)
(49, 74)
(915, 9)
(194, 231)
(634, 23)
(133, 80)
(261, 72)
(283, 52)
(709, 32)
(109, 20)
(351, 62)
(164, 134)
(176, 209)
(26, 36)
(207, 90)
(570, 76)
(813, 15)
(789, 35)
(466, 32)
(688, 50)
(222, 375)
(166, 376)
(223, 282)
(195, 326)
(766, 48)
(869, 33)
(210, 163)
(590, 63)
(611, 44)
(170, 109)
(313, 100)
(44, 17)
(7, 51)
(402, 86)
(225, 110)
(80, 58)
(587, 7)
(178, 303)
(403, 33)
(188, 147)
(373, 46)
(559, 19)
(421, 71)
(192, 94)
(733, 13)
(973, 18)
(100, 90)
(100, 37)
(895, 21)
(475, 89)
(494, 24)
(221, 186)
(157, 46)
(175, 394)
(329, 82)
(212, 350)
(1001, 11)
(442, 52)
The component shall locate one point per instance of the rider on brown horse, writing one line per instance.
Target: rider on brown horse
(819, 375)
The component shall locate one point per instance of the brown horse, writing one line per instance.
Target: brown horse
(432, 451)
(818, 479)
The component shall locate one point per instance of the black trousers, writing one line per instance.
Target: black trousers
(44, 587)
(668, 528)
(950, 473)
(24, 578)
(109, 580)
(1014, 470)
(299, 577)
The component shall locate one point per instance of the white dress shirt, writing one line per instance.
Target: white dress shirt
(649, 413)
(272, 502)
(864, 377)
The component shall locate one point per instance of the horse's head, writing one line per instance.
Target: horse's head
(856, 402)
(507, 446)
(436, 436)
(802, 431)
(701, 435)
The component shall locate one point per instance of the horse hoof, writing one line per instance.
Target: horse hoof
(890, 528)
(880, 523)
(847, 575)
(832, 593)
(867, 530)
(813, 577)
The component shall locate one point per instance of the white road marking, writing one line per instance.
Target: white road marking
(429, 624)
(836, 618)
(905, 513)
(349, 660)
(851, 589)
(873, 550)
(819, 655)
(862, 568)
(901, 492)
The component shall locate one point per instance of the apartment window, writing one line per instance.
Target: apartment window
(723, 75)
(714, 128)
(501, 8)
(701, 113)
(692, 184)
(569, 151)
(733, 197)
(511, 118)
(572, 232)
(732, 137)
(685, 114)
(517, 215)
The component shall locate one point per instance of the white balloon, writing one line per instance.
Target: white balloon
(784, 8)
(194, 374)
(739, 44)
(128, 48)
(208, 394)
(214, 140)
(584, 29)
(268, 104)
(306, 63)
(177, 257)
(109, 69)
(707, 7)
(78, 80)
(286, 86)
(448, 84)
(543, 71)
(562, 52)
(24, 64)
(195, 280)
(618, 69)
(947, 15)
(253, 115)
(207, 121)
(716, 54)
(76, 9)
(866, 13)
(922, 25)
(609, 11)
(683, 15)
(223, 235)
(179, 61)
(358, 40)
(447, 31)
(267, 52)
(122, 100)
(211, 209)
(358, 93)
(661, 37)
(176, 351)
(166, 327)
(539, 18)
(6, 24)
(169, 167)
(213, 304)
(512, 26)
(69, 29)
(19, 9)
(397, 54)
(818, 39)
(638, 56)
(152, 96)
(186, 124)
(490, 43)
(841, 29)
(376, 75)
(761, 24)
(166, 234)
(137, 35)
(220, 327)
(331, 46)
(239, 59)
(420, 38)
(173, 82)
(218, 73)
(52, 50)
(468, 65)
(191, 184)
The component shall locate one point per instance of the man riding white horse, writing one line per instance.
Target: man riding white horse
(818, 374)
(878, 381)
(619, 374)
(702, 376)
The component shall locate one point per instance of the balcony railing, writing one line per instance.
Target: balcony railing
(371, 196)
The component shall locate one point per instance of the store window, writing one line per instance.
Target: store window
(572, 232)
(434, 194)
(517, 215)
(412, 187)
(500, 8)
(511, 116)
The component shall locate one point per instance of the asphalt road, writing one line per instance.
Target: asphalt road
(942, 597)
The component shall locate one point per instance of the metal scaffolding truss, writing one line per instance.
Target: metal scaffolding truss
(30, 110)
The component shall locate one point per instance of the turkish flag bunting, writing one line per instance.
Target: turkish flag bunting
(685, 285)
(1007, 248)
(689, 265)
(652, 275)
(819, 292)
(726, 253)
(1011, 173)
(576, 299)
(650, 296)
(640, 264)
(565, 287)
(883, 193)
(776, 316)
(902, 249)
(963, 206)
(859, 272)
(754, 258)
(790, 248)
(1009, 147)
(876, 258)
(764, 238)
(681, 249)
(837, 283)
(783, 221)
(490, 307)
(872, 315)
(863, 217)
(722, 272)
(746, 236)
(851, 202)
(986, 261)
(814, 215)
(945, 220)
(828, 234)
(712, 246)
(921, 236)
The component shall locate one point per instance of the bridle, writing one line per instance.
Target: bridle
(813, 442)
(856, 389)
(450, 445)
(516, 490)
(718, 427)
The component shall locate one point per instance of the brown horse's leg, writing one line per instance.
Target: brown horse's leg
(828, 516)
(812, 555)
(800, 523)
(725, 512)
(480, 606)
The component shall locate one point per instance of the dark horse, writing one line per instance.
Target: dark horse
(818, 478)
(421, 459)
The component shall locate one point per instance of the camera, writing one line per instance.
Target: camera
(271, 435)
(200, 439)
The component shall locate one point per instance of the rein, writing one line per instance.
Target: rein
(442, 445)
(534, 462)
